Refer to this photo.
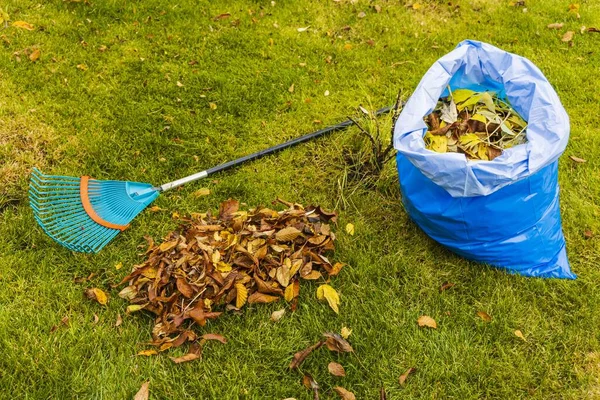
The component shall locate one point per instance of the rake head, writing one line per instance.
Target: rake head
(84, 214)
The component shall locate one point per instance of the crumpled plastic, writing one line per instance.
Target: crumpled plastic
(503, 212)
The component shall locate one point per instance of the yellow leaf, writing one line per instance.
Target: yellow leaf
(119, 266)
(35, 55)
(460, 95)
(568, 36)
(479, 117)
(212, 106)
(350, 229)
(147, 353)
(242, 295)
(291, 89)
(179, 84)
(98, 295)
(23, 25)
(416, 6)
(166, 246)
(574, 8)
(437, 143)
(82, 67)
(289, 293)
(202, 192)
(155, 208)
(482, 152)
(519, 334)
(175, 215)
(134, 308)
(328, 293)
(346, 332)
(223, 267)
(347, 46)
(469, 140)
(427, 321)
(3, 16)
(216, 257)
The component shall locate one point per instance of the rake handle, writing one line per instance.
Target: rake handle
(262, 153)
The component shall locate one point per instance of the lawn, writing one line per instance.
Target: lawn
(155, 90)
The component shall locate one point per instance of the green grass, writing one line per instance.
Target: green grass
(125, 117)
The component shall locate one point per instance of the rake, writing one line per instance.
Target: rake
(85, 214)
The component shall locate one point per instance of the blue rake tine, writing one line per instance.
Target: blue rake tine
(84, 214)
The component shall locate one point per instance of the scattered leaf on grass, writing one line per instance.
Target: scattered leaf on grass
(555, 25)
(350, 229)
(23, 25)
(304, 29)
(119, 320)
(344, 393)
(35, 55)
(519, 334)
(336, 369)
(215, 336)
(382, 394)
(202, 192)
(222, 16)
(143, 393)
(568, 36)
(276, 315)
(185, 358)
(346, 332)
(588, 234)
(311, 384)
(155, 209)
(592, 29)
(577, 159)
(262, 298)
(118, 266)
(405, 375)
(484, 316)
(97, 294)
(361, 14)
(427, 321)
(212, 106)
(326, 292)
(291, 88)
(147, 353)
(300, 356)
(337, 343)
(446, 286)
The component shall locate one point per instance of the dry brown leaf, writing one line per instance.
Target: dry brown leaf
(577, 159)
(588, 234)
(336, 369)
(276, 315)
(446, 285)
(97, 294)
(228, 208)
(144, 392)
(592, 29)
(258, 297)
(185, 288)
(185, 358)
(382, 394)
(337, 343)
(555, 25)
(300, 356)
(311, 384)
(568, 36)
(119, 320)
(287, 234)
(222, 16)
(215, 336)
(484, 316)
(404, 376)
(344, 393)
(427, 321)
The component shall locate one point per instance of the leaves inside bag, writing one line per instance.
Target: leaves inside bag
(478, 124)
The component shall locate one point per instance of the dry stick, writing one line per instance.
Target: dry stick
(359, 126)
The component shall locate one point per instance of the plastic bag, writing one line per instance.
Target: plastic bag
(503, 212)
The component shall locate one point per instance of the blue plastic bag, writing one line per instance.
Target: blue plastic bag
(503, 212)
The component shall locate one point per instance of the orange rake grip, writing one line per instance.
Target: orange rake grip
(87, 206)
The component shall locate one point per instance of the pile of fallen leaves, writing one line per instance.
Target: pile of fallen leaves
(231, 259)
(478, 124)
